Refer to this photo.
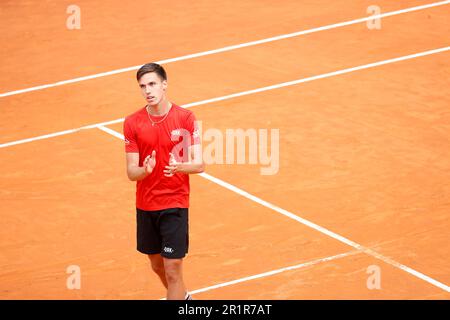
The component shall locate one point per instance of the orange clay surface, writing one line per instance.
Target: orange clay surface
(365, 154)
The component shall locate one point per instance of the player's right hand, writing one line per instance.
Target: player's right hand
(150, 162)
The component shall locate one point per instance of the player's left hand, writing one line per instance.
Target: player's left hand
(172, 168)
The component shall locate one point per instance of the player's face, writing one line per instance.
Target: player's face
(153, 88)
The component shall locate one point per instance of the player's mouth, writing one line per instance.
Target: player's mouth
(151, 97)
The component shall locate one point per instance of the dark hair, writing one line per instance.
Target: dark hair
(151, 67)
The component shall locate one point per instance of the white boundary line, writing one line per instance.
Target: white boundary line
(316, 227)
(60, 133)
(273, 272)
(244, 93)
(229, 48)
(111, 132)
(326, 231)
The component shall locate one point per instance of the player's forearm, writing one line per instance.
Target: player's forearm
(136, 173)
(190, 168)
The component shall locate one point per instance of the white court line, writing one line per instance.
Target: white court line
(273, 272)
(111, 132)
(321, 76)
(326, 231)
(229, 48)
(60, 133)
(316, 227)
(243, 93)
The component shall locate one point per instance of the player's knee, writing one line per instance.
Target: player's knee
(173, 276)
(173, 272)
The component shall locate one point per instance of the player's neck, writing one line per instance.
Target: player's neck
(159, 109)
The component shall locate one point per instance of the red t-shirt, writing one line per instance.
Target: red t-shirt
(174, 134)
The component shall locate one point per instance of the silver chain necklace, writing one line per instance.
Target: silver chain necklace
(156, 122)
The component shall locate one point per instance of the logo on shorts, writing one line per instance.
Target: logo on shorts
(168, 250)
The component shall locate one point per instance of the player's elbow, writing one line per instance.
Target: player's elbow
(201, 167)
(130, 174)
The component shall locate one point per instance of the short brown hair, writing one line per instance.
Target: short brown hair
(151, 67)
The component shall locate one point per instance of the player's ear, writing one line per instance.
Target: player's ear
(164, 83)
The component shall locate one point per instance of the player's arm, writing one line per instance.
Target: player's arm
(194, 165)
(134, 171)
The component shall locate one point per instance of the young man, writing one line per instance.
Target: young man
(162, 147)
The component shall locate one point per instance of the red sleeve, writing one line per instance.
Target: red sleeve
(193, 128)
(130, 137)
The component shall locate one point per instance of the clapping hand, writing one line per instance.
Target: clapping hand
(150, 162)
(172, 168)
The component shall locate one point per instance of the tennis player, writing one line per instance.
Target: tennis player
(162, 145)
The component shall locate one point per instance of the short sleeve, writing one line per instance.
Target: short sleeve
(129, 137)
(193, 128)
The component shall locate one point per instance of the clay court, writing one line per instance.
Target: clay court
(364, 151)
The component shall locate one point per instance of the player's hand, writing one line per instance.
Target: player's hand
(172, 168)
(150, 162)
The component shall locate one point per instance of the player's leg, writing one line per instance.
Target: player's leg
(149, 240)
(158, 267)
(176, 290)
(175, 241)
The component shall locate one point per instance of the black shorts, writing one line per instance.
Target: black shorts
(163, 231)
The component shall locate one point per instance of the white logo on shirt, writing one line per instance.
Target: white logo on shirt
(196, 133)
